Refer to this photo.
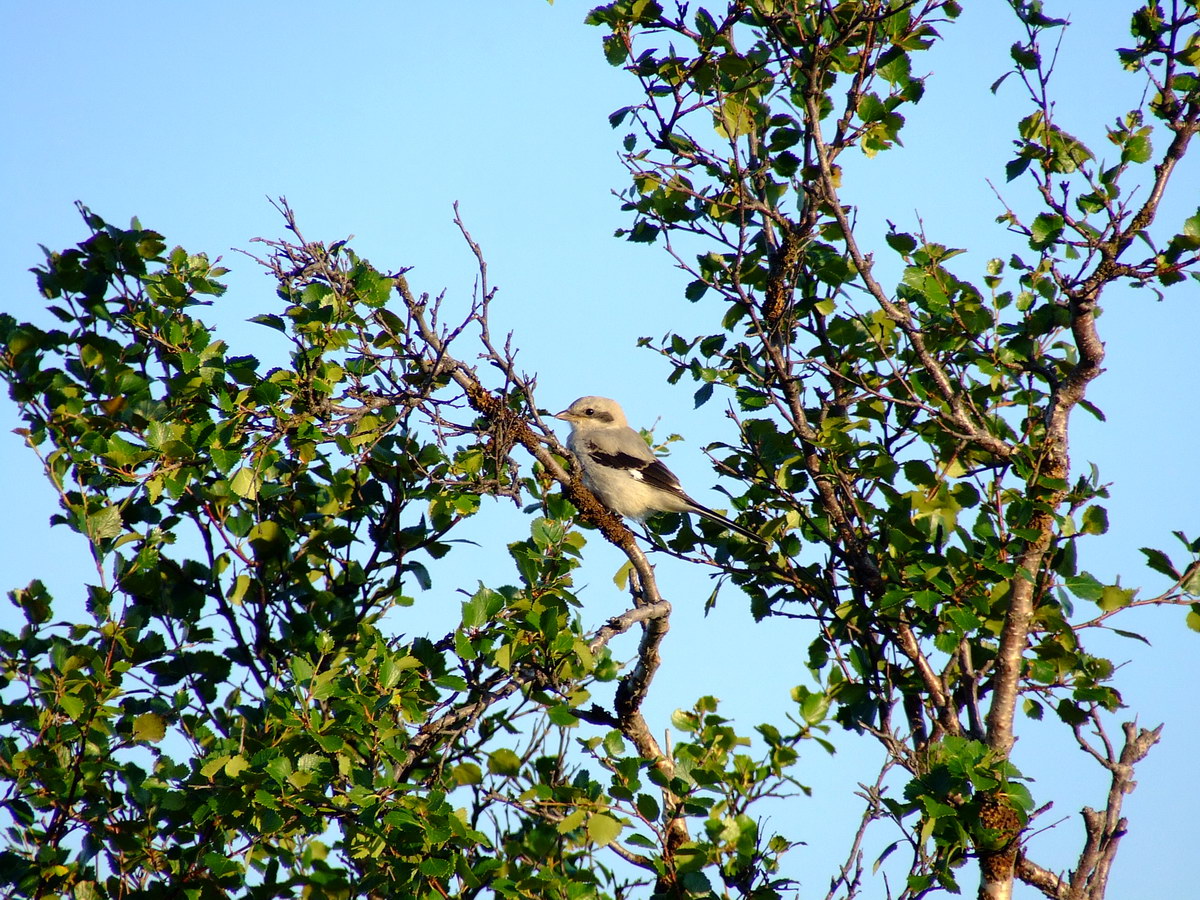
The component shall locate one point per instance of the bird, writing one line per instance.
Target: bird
(621, 469)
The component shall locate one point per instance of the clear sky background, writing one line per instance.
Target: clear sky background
(373, 118)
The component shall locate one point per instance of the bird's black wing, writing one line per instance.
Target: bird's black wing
(651, 471)
(655, 474)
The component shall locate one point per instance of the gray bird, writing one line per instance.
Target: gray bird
(621, 469)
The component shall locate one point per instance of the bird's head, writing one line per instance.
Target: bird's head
(593, 411)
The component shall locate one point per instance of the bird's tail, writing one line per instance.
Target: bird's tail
(728, 523)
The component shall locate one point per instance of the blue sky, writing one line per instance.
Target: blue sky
(372, 120)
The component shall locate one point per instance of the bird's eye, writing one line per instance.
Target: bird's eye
(589, 412)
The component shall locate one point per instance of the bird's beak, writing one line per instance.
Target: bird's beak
(565, 415)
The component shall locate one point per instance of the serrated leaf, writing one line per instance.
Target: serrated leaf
(224, 460)
(1160, 562)
(71, 705)
(434, 867)
(1137, 149)
(1191, 583)
(617, 117)
(1095, 520)
(571, 822)
(603, 829)
(1085, 586)
(902, 243)
(467, 773)
(1014, 168)
(1115, 597)
(504, 762)
(1191, 227)
(1025, 57)
(733, 118)
(279, 768)
(104, 524)
(149, 727)
(245, 483)
(270, 320)
(814, 708)
(614, 50)
(647, 807)
(561, 715)
(614, 744)
(1046, 230)
(213, 766)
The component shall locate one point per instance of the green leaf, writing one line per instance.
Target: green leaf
(224, 460)
(561, 715)
(614, 50)
(1133, 635)
(268, 540)
(614, 744)
(647, 807)
(814, 708)
(213, 766)
(695, 290)
(245, 483)
(734, 118)
(504, 762)
(643, 232)
(270, 320)
(33, 601)
(1025, 57)
(434, 867)
(939, 511)
(1085, 586)
(72, 705)
(467, 773)
(1014, 168)
(279, 768)
(1191, 583)
(1115, 597)
(374, 288)
(783, 138)
(475, 610)
(621, 576)
(149, 727)
(1095, 520)
(104, 524)
(603, 829)
(1093, 409)
(616, 118)
(1046, 231)
(1070, 712)
(571, 822)
(1160, 562)
(786, 164)
(1191, 227)
(902, 243)
(1137, 149)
